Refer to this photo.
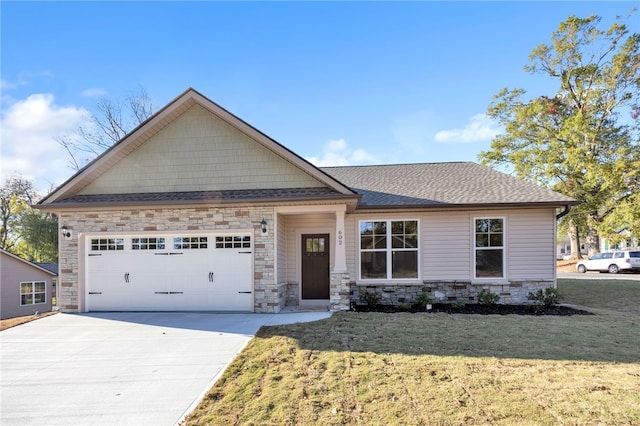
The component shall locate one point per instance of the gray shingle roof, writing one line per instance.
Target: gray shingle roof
(235, 196)
(440, 184)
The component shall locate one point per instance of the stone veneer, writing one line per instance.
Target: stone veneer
(268, 297)
(515, 292)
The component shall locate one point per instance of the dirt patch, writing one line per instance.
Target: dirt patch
(12, 322)
(566, 266)
(478, 309)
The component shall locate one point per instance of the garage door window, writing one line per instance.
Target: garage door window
(144, 243)
(107, 244)
(189, 243)
(233, 241)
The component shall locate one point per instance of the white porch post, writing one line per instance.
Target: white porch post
(340, 263)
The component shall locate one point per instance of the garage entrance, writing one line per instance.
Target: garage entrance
(206, 272)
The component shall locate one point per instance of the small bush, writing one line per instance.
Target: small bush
(485, 297)
(458, 306)
(548, 297)
(424, 300)
(403, 307)
(371, 298)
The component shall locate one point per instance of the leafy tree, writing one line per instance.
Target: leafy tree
(16, 194)
(24, 231)
(114, 119)
(582, 140)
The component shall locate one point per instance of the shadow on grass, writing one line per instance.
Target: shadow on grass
(611, 335)
(603, 337)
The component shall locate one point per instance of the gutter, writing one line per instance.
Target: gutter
(565, 212)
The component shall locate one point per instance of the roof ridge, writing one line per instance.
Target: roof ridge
(397, 164)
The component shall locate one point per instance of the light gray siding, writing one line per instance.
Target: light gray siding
(306, 224)
(447, 248)
(531, 244)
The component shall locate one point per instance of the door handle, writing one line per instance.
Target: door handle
(126, 277)
(210, 277)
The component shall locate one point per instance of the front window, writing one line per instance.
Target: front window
(389, 249)
(489, 248)
(33, 293)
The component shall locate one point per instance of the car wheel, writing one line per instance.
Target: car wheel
(582, 269)
(613, 269)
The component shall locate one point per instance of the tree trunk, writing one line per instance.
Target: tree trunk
(574, 236)
(593, 242)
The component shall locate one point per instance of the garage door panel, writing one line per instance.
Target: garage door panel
(170, 273)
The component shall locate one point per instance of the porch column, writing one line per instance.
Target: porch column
(340, 261)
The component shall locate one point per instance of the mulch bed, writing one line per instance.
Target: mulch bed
(477, 309)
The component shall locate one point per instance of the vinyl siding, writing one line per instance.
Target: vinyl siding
(446, 241)
(446, 244)
(199, 152)
(531, 244)
(282, 249)
(12, 273)
(306, 224)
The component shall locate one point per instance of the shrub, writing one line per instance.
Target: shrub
(548, 297)
(371, 298)
(485, 297)
(424, 300)
(458, 306)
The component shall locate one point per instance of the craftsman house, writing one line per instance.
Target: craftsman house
(197, 210)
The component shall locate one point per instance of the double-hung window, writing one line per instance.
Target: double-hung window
(32, 293)
(489, 248)
(389, 249)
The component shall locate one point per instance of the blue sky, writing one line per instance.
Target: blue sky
(336, 82)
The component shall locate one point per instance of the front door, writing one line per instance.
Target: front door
(315, 266)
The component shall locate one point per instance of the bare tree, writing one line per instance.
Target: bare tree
(112, 122)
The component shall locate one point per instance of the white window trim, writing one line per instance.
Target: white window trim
(33, 293)
(474, 249)
(388, 279)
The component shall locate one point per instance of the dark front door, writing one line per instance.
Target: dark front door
(315, 266)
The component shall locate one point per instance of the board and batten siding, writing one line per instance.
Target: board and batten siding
(199, 152)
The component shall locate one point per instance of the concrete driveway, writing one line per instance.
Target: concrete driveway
(120, 368)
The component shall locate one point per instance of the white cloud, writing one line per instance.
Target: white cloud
(93, 92)
(337, 153)
(28, 131)
(480, 128)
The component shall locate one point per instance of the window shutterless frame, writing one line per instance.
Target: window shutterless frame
(489, 247)
(33, 293)
(388, 249)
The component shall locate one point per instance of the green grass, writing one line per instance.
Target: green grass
(440, 369)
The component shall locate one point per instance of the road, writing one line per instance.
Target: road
(598, 276)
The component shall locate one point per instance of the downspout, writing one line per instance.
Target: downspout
(565, 212)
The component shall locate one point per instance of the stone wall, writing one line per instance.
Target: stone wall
(268, 297)
(515, 292)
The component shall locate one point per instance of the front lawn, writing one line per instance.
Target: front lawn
(437, 368)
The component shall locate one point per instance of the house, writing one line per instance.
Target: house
(197, 210)
(26, 288)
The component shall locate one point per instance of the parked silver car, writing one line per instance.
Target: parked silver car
(612, 262)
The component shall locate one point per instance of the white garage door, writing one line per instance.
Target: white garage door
(209, 272)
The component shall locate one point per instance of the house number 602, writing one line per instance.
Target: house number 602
(339, 238)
